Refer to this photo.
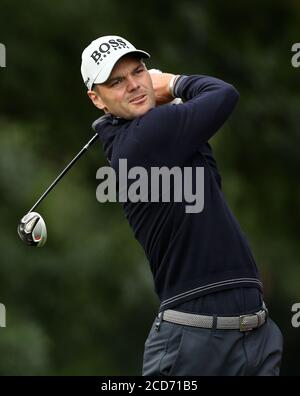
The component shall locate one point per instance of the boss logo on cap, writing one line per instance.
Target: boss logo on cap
(106, 48)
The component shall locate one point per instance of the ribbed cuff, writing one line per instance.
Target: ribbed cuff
(176, 85)
(172, 85)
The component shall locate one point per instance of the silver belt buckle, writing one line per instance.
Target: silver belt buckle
(244, 326)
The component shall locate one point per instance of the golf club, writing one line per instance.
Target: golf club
(32, 227)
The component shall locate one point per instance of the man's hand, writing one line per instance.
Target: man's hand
(161, 86)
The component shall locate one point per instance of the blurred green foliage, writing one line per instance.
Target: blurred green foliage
(84, 303)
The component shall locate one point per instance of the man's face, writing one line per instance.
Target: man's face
(128, 93)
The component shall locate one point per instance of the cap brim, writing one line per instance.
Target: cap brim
(105, 72)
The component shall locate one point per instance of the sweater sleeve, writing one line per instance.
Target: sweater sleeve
(171, 134)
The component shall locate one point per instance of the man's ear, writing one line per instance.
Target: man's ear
(96, 99)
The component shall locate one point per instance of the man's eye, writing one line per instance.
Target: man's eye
(116, 82)
(139, 71)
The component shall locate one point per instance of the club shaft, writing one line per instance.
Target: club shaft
(83, 150)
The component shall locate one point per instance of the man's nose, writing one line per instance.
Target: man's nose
(132, 84)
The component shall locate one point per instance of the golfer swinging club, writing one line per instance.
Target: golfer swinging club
(212, 319)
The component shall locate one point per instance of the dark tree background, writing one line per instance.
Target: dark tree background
(84, 303)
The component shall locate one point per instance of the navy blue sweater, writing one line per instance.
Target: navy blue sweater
(190, 254)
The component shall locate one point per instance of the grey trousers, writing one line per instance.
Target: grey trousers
(176, 350)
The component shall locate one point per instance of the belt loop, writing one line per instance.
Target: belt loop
(160, 318)
(265, 309)
(259, 320)
(214, 323)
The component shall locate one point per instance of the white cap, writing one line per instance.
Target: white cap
(99, 58)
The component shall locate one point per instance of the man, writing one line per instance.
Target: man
(212, 319)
